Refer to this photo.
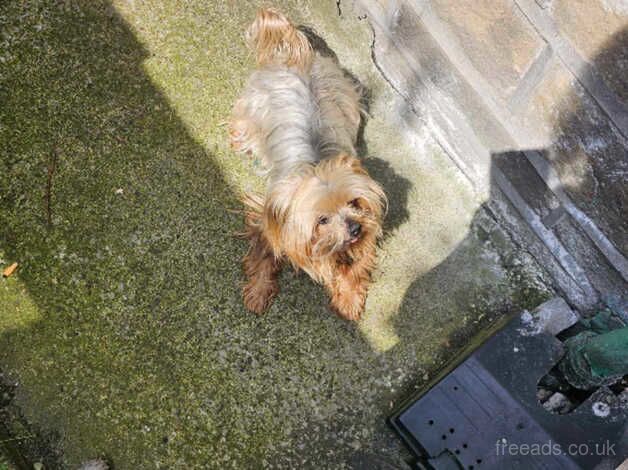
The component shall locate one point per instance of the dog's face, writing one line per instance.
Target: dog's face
(329, 209)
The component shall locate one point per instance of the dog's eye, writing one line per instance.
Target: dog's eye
(355, 203)
(322, 220)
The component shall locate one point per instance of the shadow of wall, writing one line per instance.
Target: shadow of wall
(589, 149)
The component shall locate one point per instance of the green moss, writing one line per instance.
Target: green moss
(4, 465)
(124, 324)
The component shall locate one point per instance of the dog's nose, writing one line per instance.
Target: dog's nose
(354, 228)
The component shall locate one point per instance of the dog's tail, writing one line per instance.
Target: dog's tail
(275, 40)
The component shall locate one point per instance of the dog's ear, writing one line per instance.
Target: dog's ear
(276, 210)
(369, 189)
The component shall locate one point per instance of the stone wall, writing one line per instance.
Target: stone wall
(529, 99)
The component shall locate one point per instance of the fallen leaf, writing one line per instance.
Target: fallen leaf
(9, 270)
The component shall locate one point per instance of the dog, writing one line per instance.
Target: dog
(300, 114)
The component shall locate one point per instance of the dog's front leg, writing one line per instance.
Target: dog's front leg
(349, 286)
(261, 268)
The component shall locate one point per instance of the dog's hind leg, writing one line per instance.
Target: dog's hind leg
(243, 133)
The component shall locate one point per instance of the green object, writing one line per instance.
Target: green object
(603, 322)
(594, 359)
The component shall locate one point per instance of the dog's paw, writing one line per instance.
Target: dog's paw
(258, 296)
(349, 307)
(240, 139)
(236, 140)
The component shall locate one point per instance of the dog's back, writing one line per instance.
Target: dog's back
(298, 107)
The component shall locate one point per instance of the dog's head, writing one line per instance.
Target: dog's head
(324, 210)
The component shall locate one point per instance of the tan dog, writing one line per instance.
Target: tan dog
(322, 212)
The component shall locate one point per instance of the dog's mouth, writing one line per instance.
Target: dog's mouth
(339, 247)
(351, 241)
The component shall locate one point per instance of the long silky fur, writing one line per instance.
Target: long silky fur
(300, 114)
(297, 108)
(275, 40)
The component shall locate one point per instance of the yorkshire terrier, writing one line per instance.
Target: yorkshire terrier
(300, 114)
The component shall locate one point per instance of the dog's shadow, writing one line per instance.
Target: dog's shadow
(395, 186)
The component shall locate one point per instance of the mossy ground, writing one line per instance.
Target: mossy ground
(124, 326)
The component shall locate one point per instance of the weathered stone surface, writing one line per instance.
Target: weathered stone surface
(531, 187)
(453, 62)
(585, 149)
(495, 36)
(417, 67)
(598, 29)
(551, 317)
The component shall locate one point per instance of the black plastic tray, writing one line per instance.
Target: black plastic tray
(484, 413)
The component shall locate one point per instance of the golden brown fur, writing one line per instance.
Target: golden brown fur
(275, 40)
(322, 212)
